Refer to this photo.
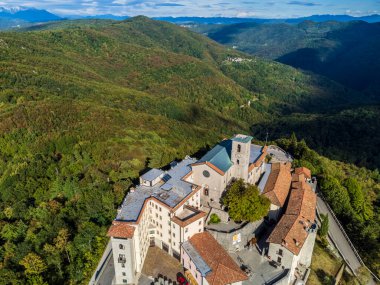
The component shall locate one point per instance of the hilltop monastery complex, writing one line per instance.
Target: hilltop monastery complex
(169, 210)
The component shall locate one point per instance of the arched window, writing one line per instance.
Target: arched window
(239, 148)
(206, 192)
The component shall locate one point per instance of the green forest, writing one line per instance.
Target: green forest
(86, 106)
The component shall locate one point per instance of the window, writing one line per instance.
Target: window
(125, 281)
(280, 252)
(160, 209)
(237, 162)
(121, 258)
(124, 274)
(121, 246)
(173, 243)
(186, 230)
(206, 192)
(156, 215)
(199, 230)
(206, 173)
(160, 217)
(123, 265)
(200, 223)
(279, 259)
(173, 234)
(156, 207)
(239, 148)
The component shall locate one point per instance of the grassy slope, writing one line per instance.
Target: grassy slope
(84, 109)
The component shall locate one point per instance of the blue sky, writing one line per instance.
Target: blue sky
(203, 8)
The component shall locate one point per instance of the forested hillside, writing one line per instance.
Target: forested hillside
(84, 108)
(345, 52)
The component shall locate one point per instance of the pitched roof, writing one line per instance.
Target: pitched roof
(303, 170)
(121, 230)
(291, 231)
(278, 184)
(219, 156)
(224, 270)
(257, 156)
(242, 138)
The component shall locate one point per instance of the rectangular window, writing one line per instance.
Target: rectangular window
(156, 207)
(121, 246)
(121, 258)
(173, 234)
(125, 281)
(280, 252)
(279, 260)
(123, 265)
(200, 223)
(186, 230)
(124, 274)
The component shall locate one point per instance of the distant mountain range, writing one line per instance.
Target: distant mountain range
(24, 16)
(28, 14)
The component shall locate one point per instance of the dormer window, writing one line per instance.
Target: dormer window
(239, 148)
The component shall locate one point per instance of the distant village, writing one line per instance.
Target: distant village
(171, 210)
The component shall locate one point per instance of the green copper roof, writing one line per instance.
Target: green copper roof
(220, 155)
(242, 139)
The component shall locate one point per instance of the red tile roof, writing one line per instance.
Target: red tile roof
(303, 170)
(291, 231)
(278, 184)
(224, 270)
(121, 230)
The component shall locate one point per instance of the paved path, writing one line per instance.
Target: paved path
(108, 273)
(278, 154)
(339, 239)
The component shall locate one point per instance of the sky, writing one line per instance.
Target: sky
(203, 8)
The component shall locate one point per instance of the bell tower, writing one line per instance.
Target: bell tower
(240, 152)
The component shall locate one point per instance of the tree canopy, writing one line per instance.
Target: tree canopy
(244, 202)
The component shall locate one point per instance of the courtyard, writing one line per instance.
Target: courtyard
(158, 262)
